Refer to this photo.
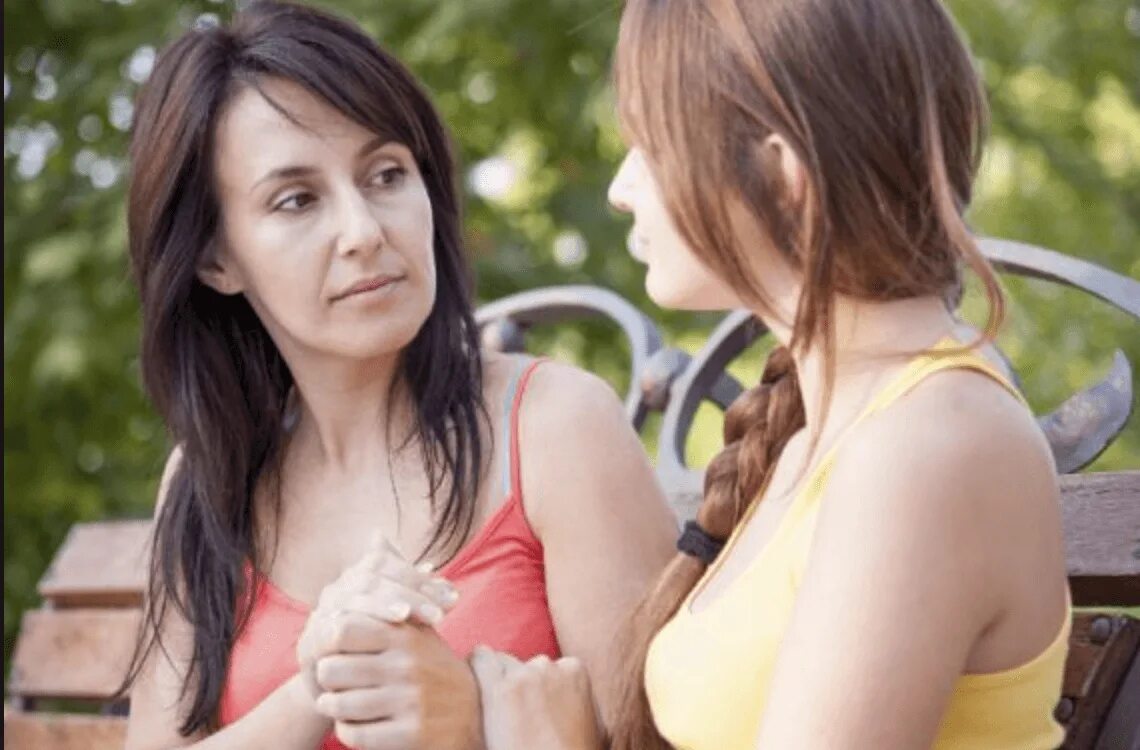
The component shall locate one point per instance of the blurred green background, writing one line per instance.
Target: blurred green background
(525, 87)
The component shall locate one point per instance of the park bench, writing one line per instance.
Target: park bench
(71, 652)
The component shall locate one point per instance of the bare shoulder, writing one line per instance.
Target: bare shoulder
(559, 392)
(957, 465)
(578, 448)
(959, 430)
(558, 397)
(572, 416)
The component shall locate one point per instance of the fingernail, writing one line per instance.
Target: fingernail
(444, 590)
(440, 591)
(431, 613)
(398, 611)
(444, 585)
(427, 567)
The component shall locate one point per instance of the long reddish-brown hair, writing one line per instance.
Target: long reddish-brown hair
(880, 103)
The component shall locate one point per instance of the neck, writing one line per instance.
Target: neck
(872, 339)
(345, 409)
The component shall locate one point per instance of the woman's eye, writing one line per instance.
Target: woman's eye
(389, 176)
(294, 202)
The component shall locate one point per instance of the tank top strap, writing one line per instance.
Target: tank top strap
(947, 354)
(511, 473)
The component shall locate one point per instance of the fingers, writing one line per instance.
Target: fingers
(571, 665)
(542, 661)
(490, 667)
(367, 704)
(384, 565)
(398, 734)
(508, 661)
(487, 667)
(351, 671)
(352, 632)
(395, 604)
(417, 578)
(440, 591)
(399, 592)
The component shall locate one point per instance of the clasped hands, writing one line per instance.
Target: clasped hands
(375, 666)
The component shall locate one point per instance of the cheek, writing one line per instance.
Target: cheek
(687, 286)
(288, 301)
(282, 270)
(416, 240)
(677, 279)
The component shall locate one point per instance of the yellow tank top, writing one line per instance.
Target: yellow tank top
(708, 672)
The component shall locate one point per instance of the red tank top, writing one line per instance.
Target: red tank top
(502, 604)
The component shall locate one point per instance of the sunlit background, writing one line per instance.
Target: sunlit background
(524, 86)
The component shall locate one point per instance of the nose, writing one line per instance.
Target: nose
(361, 231)
(620, 194)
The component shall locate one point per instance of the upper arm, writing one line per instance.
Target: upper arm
(155, 695)
(595, 503)
(900, 584)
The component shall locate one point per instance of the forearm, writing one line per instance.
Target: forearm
(286, 719)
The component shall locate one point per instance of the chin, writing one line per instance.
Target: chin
(369, 351)
(681, 296)
(381, 338)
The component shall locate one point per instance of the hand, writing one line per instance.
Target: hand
(398, 687)
(540, 704)
(382, 585)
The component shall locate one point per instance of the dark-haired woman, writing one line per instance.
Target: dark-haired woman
(891, 569)
(308, 339)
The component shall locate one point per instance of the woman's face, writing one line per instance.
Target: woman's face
(326, 228)
(675, 277)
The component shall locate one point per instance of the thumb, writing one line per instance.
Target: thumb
(486, 666)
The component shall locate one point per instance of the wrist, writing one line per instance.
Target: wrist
(303, 702)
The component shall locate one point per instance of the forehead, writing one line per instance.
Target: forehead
(253, 135)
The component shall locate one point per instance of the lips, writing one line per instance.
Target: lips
(635, 243)
(367, 285)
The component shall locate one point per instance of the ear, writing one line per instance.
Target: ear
(777, 150)
(217, 271)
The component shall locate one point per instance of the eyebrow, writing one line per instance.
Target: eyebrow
(292, 172)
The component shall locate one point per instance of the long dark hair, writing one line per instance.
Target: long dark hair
(210, 366)
(882, 107)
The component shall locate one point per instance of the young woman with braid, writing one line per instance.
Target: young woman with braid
(878, 559)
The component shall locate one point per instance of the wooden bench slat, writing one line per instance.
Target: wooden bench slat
(100, 564)
(74, 653)
(1102, 537)
(36, 731)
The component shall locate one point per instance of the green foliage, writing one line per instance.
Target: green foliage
(525, 85)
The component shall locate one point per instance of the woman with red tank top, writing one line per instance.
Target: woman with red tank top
(499, 576)
(308, 338)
